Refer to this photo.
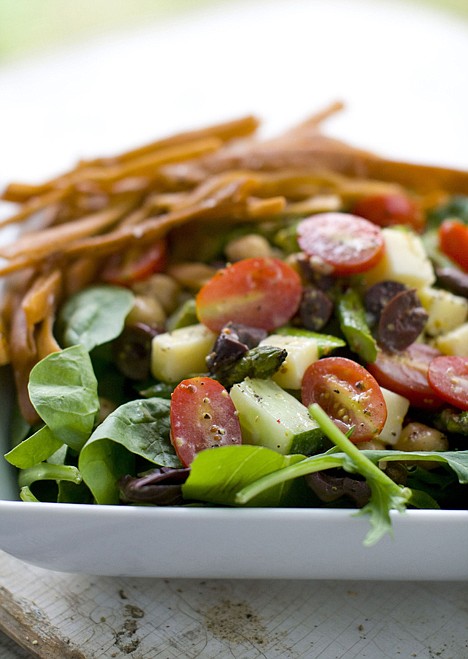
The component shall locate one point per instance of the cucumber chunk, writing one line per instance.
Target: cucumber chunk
(271, 417)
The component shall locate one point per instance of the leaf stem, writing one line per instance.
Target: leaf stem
(363, 465)
(47, 471)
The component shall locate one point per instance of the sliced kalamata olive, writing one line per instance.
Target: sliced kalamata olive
(401, 322)
(453, 280)
(331, 486)
(315, 309)
(233, 341)
(132, 351)
(312, 275)
(378, 295)
(162, 487)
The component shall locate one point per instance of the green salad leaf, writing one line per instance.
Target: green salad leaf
(137, 428)
(217, 475)
(36, 448)
(94, 316)
(63, 390)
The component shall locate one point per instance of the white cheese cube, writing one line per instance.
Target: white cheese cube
(397, 407)
(446, 311)
(177, 355)
(302, 351)
(454, 342)
(405, 260)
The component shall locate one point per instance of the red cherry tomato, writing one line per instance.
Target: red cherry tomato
(348, 394)
(260, 292)
(453, 241)
(405, 373)
(448, 376)
(347, 244)
(390, 209)
(202, 416)
(135, 264)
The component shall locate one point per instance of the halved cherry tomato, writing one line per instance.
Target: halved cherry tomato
(202, 416)
(347, 244)
(260, 292)
(453, 241)
(390, 209)
(348, 394)
(448, 376)
(135, 264)
(405, 373)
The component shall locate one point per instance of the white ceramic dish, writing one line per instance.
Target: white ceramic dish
(399, 69)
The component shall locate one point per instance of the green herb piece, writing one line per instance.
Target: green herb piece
(353, 323)
(94, 316)
(137, 428)
(34, 449)
(63, 390)
(216, 475)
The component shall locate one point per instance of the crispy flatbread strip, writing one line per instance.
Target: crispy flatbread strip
(222, 132)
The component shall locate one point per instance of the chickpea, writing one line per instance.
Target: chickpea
(245, 247)
(419, 437)
(192, 274)
(375, 444)
(147, 310)
(162, 287)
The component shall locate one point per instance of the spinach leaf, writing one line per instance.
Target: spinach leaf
(101, 464)
(63, 390)
(137, 428)
(94, 316)
(216, 475)
(34, 449)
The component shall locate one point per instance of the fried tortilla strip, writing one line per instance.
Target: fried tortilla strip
(222, 132)
(40, 244)
(42, 296)
(23, 353)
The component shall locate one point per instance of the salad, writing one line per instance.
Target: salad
(219, 319)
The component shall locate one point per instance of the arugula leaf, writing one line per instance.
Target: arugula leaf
(216, 475)
(94, 316)
(385, 494)
(63, 390)
(137, 428)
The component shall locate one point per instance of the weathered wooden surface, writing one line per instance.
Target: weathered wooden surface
(64, 616)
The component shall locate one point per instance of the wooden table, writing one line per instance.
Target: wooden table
(66, 616)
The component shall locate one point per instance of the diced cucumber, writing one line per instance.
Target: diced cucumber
(446, 311)
(454, 342)
(302, 351)
(397, 407)
(177, 355)
(271, 417)
(405, 260)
